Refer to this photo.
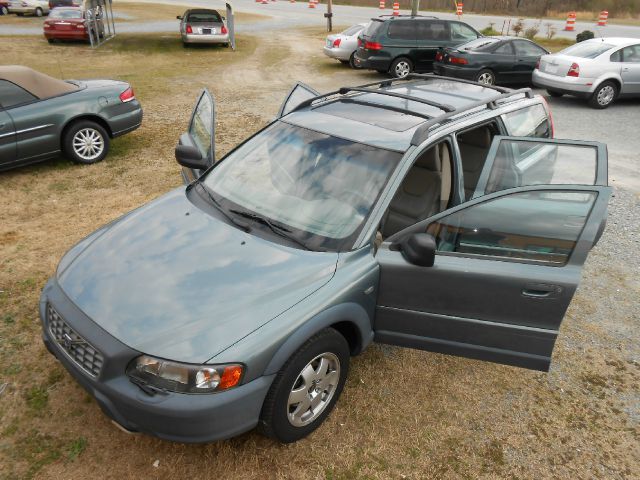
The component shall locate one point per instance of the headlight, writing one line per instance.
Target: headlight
(183, 377)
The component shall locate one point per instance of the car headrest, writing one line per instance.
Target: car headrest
(429, 160)
(479, 137)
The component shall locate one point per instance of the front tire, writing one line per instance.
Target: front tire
(86, 142)
(604, 95)
(4, 11)
(486, 77)
(307, 387)
(352, 61)
(39, 12)
(401, 67)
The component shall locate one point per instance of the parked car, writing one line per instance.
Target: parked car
(490, 60)
(600, 70)
(4, 7)
(342, 46)
(399, 45)
(64, 3)
(401, 212)
(72, 23)
(203, 26)
(41, 117)
(29, 7)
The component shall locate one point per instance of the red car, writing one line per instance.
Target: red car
(70, 23)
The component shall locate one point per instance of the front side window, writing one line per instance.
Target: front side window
(519, 163)
(540, 226)
(528, 49)
(462, 32)
(402, 29)
(12, 95)
(201, 126)
(504, 49)
(631, 54)
(320, 187)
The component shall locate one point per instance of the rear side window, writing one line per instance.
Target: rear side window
(631, 54)
(528, 122)
(11, 94)
(616, 56)
(541, 226)
(461, 32)
(373, 28)
(402, 29)
(434, 31)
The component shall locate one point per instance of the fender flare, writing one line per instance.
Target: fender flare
(346, 312)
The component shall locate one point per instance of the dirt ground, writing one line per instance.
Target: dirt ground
(403, 413)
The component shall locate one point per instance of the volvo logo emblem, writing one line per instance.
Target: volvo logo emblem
(67, 342)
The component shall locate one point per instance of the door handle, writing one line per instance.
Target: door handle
(540, 290)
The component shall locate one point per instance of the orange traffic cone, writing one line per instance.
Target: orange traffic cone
(396, 8)
(571, 22)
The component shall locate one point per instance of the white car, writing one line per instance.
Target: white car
(342, 46)
(31, 7)
(599, 70)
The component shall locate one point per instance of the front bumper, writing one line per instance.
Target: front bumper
(189, 418)
(580, 87)
(200, 38)
(337, 53)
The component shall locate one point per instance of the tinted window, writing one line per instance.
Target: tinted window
(528, 122)
(587, 49)
(430, 30)
(461, 32)
(63, 13)
(352, 30)
(402, 29)
(373, 28)
(521, 163)
(204, 17)
(616, 56)
(631, 54)
(202, 126)
(11, 94)
(505, 49)
(527, 48)
(542, 226)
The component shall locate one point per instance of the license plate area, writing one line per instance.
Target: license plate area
(206, 31)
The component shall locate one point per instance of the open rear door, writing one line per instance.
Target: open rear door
(201, 134)
(507, 262)
(298, 94)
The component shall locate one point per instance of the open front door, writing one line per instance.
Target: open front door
(506, 267)
(298, 94)
(201, 135)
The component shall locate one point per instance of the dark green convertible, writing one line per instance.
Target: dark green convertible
(41, 117)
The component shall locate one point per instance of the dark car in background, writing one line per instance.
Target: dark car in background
(490, 60)
(72, 23)
(41, 116)
(399, 45)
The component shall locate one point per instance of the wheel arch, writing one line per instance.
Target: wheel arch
(91, 117)
(349, 319)
(613, 79)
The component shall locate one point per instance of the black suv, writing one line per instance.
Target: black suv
(401, 44)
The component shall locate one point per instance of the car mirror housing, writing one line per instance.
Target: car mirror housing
(419, 249)
(190, 157)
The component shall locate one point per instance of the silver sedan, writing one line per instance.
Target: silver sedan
(342, 46)
(599, 70)
(203, 26)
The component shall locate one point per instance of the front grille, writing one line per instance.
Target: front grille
(85, 355)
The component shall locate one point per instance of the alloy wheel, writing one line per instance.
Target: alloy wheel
(485, 78)
(402, 69)
(605, 95)
(313, 390)
(88, 144)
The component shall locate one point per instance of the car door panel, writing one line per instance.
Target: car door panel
(298, 94)
(37, 131)
(201, 134)
(7, 139)
(630, 70)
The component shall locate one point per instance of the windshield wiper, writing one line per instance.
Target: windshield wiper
(239, 223)
(277, 229)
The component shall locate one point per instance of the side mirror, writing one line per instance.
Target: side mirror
(179, 17)
(223, 17)
(419, 249)
(190, 157)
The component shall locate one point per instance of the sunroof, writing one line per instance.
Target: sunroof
(379, 117)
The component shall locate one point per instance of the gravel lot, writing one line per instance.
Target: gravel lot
(434, 417)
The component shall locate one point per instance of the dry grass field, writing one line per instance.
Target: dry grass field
(403, 413)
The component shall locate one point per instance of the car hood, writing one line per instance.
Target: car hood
(172, 281)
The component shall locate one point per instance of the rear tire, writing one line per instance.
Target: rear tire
(307, 388)
(486, 77)
(85, 142)
(555, 94)
(604, 95)
(352, 61)
(401, 67)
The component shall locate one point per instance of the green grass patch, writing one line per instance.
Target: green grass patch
(37, 399)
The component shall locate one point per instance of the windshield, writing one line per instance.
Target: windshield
(320, 187)
(586, 50)
(55, 13)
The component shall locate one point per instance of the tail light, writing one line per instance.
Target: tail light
(81, 25)
(537, 67)
(548, 109)
(574, 70)
(458, 60)
(189, 29)
(336, 43)
(224, 30)
(372, 46)
(127, 95)
(439, 57)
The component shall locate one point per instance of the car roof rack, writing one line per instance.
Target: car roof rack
(395, 16)
(422, 132)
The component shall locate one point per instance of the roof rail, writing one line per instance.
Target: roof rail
(422, 132)
(429, 76)
(441, 106)
(392, 16)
